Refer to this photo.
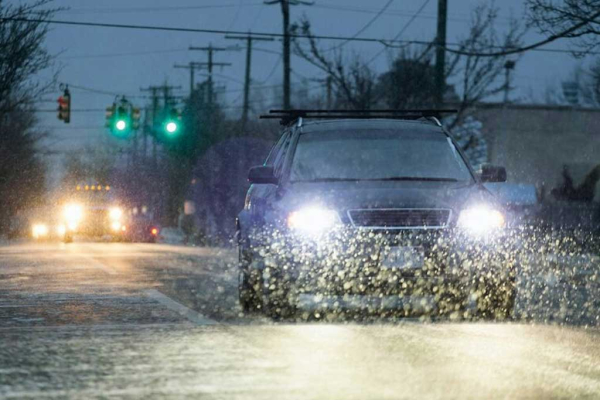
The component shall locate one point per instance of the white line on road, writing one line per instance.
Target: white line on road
(179, 308)
(98, 264)
(188, 313)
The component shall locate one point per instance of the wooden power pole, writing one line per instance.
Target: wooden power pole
(440, 57)
(192, 67)
(210, 50)
(247, 80)
(287, 66)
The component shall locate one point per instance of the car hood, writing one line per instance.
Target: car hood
(344, 196)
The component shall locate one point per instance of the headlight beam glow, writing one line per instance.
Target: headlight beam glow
(312, 220)
(481, 219)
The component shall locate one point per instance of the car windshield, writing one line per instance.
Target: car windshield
(377, 155)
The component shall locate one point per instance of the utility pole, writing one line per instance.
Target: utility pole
(192, 66)
(440, 57)
(287, 66)
(210, 50)
(249, 41)
(509, 65)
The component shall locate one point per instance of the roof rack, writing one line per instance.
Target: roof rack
(289, 116)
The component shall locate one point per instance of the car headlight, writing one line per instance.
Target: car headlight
(115, 226)
(39, 230)
(73, 212)
(61, 230)
(115, 213)
(481, 219)
(313, 220)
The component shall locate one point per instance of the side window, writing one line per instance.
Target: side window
(279, 160)
(276, 150)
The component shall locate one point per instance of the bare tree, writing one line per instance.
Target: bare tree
(353, 80)
(409, 81)
(553, 18)
(23, 52)
(22, 56)
(478, 76)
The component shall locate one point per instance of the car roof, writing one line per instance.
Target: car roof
(424, 126)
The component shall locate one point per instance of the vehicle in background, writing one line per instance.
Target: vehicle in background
(142, 228)
(91, 211)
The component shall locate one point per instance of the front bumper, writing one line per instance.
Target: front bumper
(350, 262)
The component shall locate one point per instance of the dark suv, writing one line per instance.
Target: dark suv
(380, 214)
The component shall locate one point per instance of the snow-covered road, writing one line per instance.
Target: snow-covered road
(99, 320)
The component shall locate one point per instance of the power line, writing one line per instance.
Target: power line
(133, 53)
(197, 30)
(104, 92)
(532, 47)
(364, 28)
(81, 110)
(272, 72)
(153, 9)
(404, 28)
(396, 12)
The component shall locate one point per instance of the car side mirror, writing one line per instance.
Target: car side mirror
(493, 173)
(262, 174)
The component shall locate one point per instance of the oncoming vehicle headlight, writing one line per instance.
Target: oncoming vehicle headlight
(73, 213)
(481, 220)
(313, 220)
(39, 230)
(115, 214)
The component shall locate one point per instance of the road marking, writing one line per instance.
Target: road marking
(100, 265)
(188, 313)
(179, 308)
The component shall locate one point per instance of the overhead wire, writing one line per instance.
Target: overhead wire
(154, 9)
(404, 28)
(532, 47)
(364, 28)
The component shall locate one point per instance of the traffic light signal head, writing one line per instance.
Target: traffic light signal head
(136, 115)
(172, 124)
(122, 121)
(110, 115)
(64, 107)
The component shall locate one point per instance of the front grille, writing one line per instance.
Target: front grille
(406, 218)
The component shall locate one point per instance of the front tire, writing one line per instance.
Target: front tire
(278, 298)
(248, 291)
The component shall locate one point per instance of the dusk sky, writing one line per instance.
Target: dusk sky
(122, 61)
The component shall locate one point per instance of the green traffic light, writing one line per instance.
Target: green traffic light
(121, 125)
(171, 127)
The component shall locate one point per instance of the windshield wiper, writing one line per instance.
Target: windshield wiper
(328, 180)
(413, 178)
(392, 178)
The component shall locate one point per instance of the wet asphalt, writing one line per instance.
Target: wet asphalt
(115, 320)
